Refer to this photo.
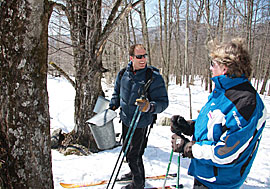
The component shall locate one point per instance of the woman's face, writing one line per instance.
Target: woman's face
(217, 68)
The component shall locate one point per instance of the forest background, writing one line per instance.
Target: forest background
(88, 40)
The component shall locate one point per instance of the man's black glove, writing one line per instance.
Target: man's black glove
(182, 145)
(180, 126)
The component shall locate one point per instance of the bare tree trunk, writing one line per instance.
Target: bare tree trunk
(25, 153)
(89, 39)
(145, 31)
(186, 45)
(268, 90)
(207, 75)
(197, 26)
(163, 58)
(222, 19)
(132, 29)
(249, 23)
(166, 45)
(178, 68)
(265, 79)
(169, 43)
(127, 29)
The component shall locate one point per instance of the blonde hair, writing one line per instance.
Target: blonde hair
(232, 54)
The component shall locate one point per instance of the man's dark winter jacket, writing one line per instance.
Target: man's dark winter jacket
(127, 89)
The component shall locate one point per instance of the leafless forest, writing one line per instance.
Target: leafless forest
(175, 33)
(87, 40)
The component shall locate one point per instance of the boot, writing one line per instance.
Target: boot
(131, 186)
(127, 176)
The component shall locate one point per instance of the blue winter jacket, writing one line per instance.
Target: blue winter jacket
(127, 90)
(227, 133)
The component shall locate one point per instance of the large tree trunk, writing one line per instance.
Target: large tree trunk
(85, 31)
(89, 40)
(25, 160)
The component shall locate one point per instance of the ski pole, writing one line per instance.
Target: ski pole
(178, 171)
(125, 153)
(132, 122)
(168, 168)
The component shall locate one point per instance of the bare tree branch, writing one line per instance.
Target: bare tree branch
(62, 72)
(109, 29)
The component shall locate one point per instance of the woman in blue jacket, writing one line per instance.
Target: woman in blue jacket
(228, 130)
(129, 86)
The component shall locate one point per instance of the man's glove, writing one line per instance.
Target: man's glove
(144, 105)
(179, 125)
(182, 145)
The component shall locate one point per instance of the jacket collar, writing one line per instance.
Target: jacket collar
(226, 82)
(130, 68)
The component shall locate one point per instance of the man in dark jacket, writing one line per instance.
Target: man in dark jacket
(127, 95)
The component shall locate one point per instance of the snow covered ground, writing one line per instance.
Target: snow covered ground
(99, 166)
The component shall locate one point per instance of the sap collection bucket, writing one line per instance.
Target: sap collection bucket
(102, 129)
(101, 104)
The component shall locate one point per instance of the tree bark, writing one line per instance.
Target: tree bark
(24, 115)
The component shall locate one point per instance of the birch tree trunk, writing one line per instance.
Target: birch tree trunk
(25, 153)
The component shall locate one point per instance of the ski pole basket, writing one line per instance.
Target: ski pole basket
(102, 129)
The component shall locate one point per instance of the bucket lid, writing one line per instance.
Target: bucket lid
(102, 118)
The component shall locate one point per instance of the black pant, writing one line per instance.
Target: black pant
(135, 153)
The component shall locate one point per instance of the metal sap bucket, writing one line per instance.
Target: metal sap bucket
(101, 104)
(102, 129)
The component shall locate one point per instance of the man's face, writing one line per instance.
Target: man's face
(139, 62)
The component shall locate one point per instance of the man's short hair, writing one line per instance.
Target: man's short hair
(232, 54)
(135, 46)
